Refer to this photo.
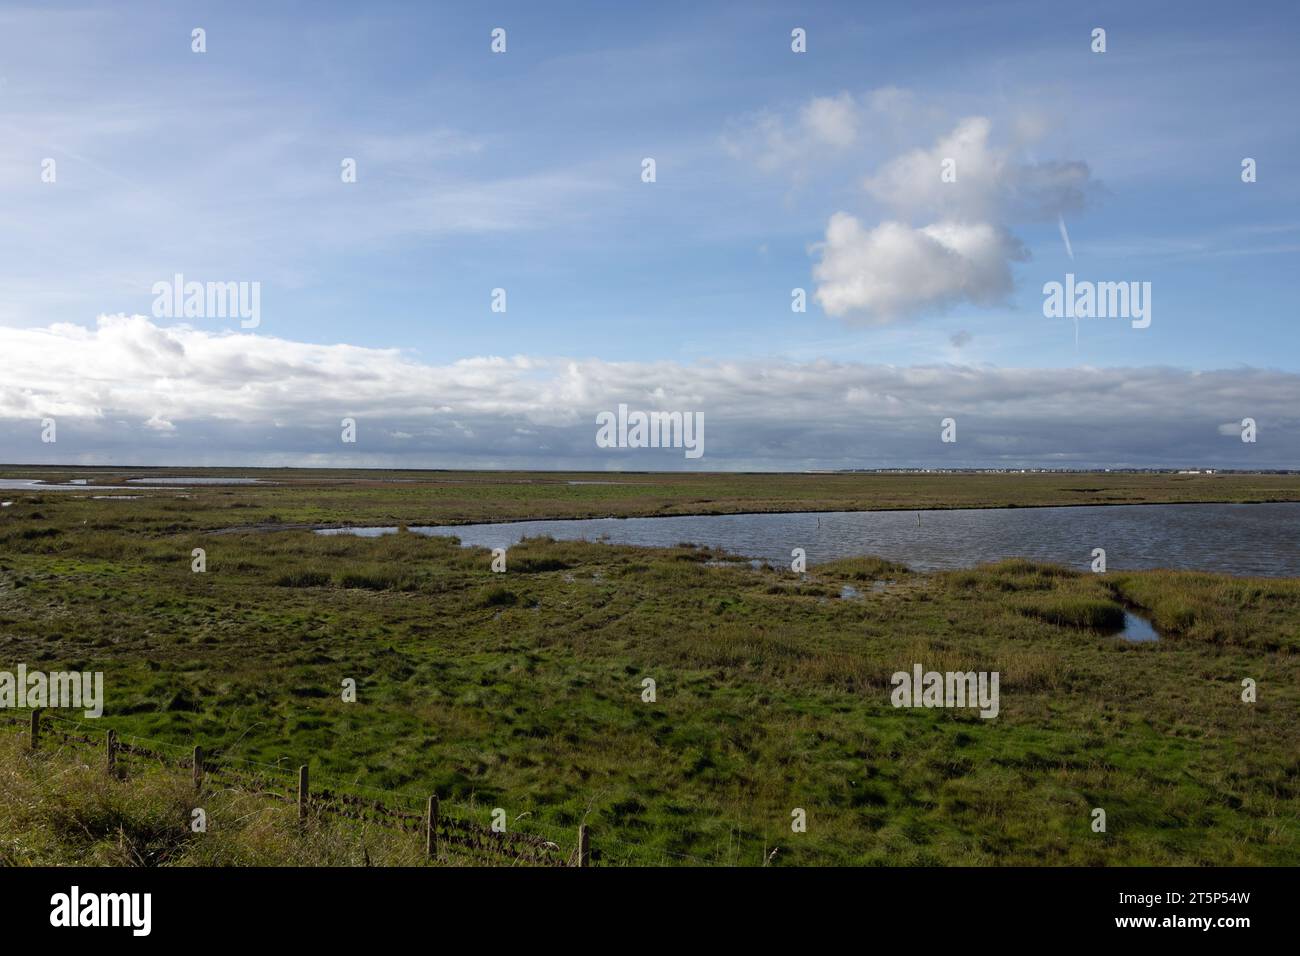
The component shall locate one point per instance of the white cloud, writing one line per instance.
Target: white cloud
(965, 255)
(989, 183)
(912, 182)
(832, 120)
(939, 242)
(881, 274)
(823, 127)
(132, 391)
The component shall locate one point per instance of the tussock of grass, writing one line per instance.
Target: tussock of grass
(1045, 591)
(304, 578)
(1021, 567)
(1076, 611)
(498, 597)
(1246, 612)
(861, 569)
(1015, 574)
(377, 580)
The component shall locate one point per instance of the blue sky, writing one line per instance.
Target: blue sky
(522, 171)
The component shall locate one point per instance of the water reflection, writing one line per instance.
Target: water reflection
(1237, 539)
(1138, 629)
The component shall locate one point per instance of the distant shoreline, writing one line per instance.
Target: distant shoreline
(720, 514)
(340, 472)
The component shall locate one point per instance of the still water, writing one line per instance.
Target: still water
(1261, 539)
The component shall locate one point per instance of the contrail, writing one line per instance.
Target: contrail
(1065, 236)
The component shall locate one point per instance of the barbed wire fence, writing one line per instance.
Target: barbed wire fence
(441, 824)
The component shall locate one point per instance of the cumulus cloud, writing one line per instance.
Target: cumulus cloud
(964, 256)
(881, 274)
(822, 127)
(130, 391)
(796, 142)
(832, 120)
(947, 210)
(987, 182)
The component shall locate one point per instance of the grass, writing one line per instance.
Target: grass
(524, 690)
(59, 808)
(303, 496)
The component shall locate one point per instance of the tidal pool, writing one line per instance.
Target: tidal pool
(1256, 539)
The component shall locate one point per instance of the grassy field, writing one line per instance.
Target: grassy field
(524, 690)
(393, 497)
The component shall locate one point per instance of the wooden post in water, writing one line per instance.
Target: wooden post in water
(304, 794)
(112, 753)
(198, 769)
(36, 729)
(584, 846)
(431, 828)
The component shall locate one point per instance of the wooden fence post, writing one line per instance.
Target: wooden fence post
(198, 769)
(584, 846)
(431, 828)
(304, 794)
(36, 729)
(112, 753)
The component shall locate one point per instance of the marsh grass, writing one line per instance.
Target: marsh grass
(1216, 609)
(59, 808)
(772, 691)
(1076, 610)
(300, 496)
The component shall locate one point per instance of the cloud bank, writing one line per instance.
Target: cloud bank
(131, 391)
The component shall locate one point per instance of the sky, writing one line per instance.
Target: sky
(920, 171)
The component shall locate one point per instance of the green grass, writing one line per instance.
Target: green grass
(304, 496)
(524, 690)
(58, 807)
